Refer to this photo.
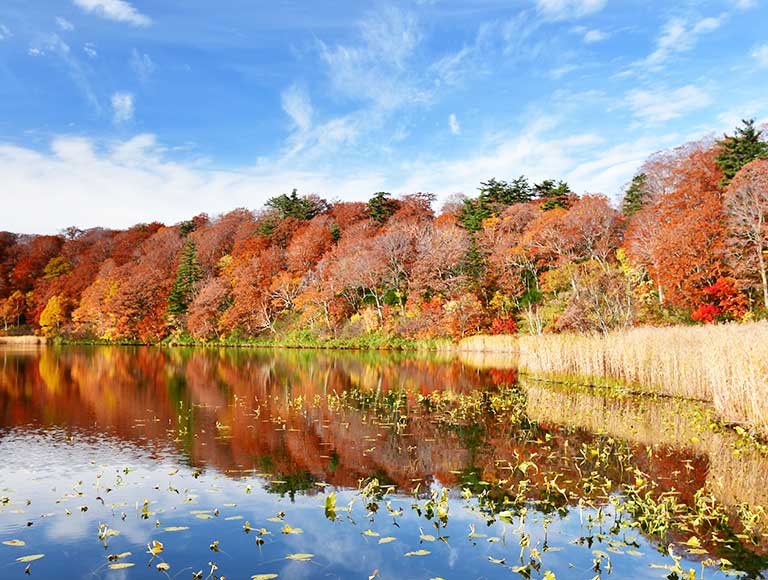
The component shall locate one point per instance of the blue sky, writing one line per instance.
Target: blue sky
(114, 112)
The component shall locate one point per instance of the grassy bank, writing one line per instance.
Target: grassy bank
(725, 364)
(295, 340)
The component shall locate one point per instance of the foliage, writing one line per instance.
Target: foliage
(637, 195)
(736, 150)
(188, 274)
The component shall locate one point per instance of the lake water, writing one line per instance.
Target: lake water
(210, 463)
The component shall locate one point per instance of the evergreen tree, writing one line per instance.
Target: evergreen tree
(381, 207)
(501, 192)
(188, 274)
(636, 196)
(554, 194)
(302, 208)
(739, 149)
(473, 212)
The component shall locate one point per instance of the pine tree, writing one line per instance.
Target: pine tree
(188, 274)
(553, 194)
(636, 196)
(381, 207)
(739, 149)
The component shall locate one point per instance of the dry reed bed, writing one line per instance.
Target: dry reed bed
(503, 343)
(733, 477)
(725, 364)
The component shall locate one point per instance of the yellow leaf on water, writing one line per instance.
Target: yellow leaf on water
(371, 533)
(418, 553)
(30, 558)
(163, 566)
(289, 530)
(155, 547)
(121, 565)
(387, 539)
(15, 543)
(175, 528)
(263, 576)
(300, 557)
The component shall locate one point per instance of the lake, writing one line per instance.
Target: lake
(121, 462)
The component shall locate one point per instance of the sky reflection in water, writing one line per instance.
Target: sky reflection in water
(215, 438)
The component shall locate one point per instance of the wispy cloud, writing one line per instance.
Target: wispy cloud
(678, 35)
(453, 124)
(90, 49)
(563, 9)
(5, 32)
(662, 105)
(377, 69)
(64, 24)
(297, 106)
(760, 54)
(54, 45)
(593, 36)
(122, 107)
(142, 65)
(117, 10)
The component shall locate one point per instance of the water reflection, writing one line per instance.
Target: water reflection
(265, 429)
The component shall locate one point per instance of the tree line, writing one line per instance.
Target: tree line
(689, 243)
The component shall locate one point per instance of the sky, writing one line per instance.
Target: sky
(116, 112)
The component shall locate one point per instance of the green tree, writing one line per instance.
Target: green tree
(381, 207)
(553, 194)
(636, 196)
(501, 192)
(302, 208)
(188, 274)
(739, 149)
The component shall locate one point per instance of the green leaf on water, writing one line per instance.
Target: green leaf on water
(30, 558)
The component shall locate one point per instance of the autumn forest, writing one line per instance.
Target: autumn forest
(687, 244)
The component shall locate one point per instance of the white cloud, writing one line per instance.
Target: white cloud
(378, 69)
(90, 49)
(454, 125)
(117, 10)
(744, 4)
(663, 105)
(297, 106)
(760, 54)
(5, 32)
(142, 65)
(122, 107)
(64, 24)
(562, 9)
(592, 36)
(35, 52)
(677, 36)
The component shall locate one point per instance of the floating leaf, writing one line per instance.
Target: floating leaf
(387, 539)
(418, 553)
(289, 530)
(163, 566)
(30, 558)
(155, 547)
(15, 543)
(371, 533)
(300, 557)
(263, 576)
(121, 565)
(175, 528)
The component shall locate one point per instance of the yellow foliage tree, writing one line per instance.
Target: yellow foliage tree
(53, 315)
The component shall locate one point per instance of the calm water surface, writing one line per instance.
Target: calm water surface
(302, 464)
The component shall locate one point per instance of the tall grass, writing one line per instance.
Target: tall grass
(733, 477)
(725, 364)
(488, 343)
